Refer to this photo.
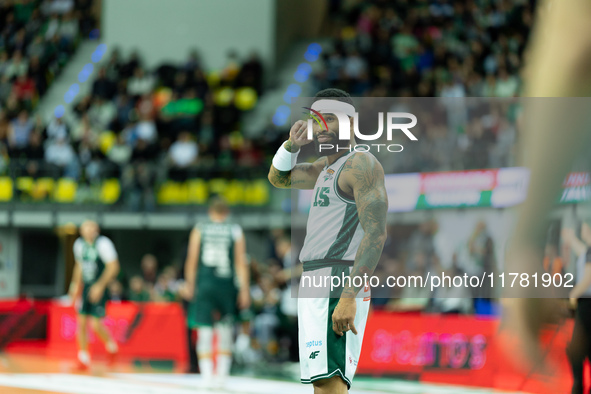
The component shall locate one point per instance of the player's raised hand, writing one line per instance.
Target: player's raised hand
(298, 135)
(343, 317)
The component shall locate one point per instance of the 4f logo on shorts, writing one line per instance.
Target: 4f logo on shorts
(313, 355)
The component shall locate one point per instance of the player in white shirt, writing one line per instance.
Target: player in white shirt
(97, 264)
(345, 235)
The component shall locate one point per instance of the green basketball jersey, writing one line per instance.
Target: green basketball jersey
(216, 251)
(93, 257)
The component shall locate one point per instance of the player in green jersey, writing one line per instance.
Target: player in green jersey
(217, 282)
(96, 265)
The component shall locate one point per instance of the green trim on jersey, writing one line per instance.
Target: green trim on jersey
(324, 263)
(345, 235)
(336, 187)
(91, 255)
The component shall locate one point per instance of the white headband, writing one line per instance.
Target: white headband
(332, 106)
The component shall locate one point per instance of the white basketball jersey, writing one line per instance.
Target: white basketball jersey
(333, 232)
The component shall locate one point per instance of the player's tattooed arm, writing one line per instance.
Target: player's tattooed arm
(365, 176)
(302, 176)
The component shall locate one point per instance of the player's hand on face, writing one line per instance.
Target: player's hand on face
(95, 293)
(343, 317)
(244, 299)
(298, 135)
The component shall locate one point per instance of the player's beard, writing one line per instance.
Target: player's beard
(329, 147)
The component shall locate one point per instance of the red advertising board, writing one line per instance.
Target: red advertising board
(465, 350)
(143, 331)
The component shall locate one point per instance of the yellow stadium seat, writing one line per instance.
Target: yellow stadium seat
(110, 191)
(166, 192)
(245, 98)
(25, 184)
(42, 188)
(173, 193)
(217, 185)
(234, 192)
(257, 193)
(65, 191)
(183, 194)
(198, 192)
(5, 188)
(106, 141)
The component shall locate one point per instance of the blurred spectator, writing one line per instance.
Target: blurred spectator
(149, 267)
(20, 130)
(17, 66)
(60, 153)
(115, 291)
(166, 287)
(120, 152)
(57, 6)
(184, 151)
(450, 298)
(103, 87)
(84, 131)
(101, 113)
(137, 290)
(140, 83)
(24, 88)
(57, 129)
(68, 29)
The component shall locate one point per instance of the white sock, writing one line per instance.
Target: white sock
(84, 357)
(206, 368)
(223, 366)
(112, 347)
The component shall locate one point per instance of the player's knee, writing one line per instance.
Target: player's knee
(224, 331)
(204, 340)
(95, 324)
(82, 323)
(335, 381)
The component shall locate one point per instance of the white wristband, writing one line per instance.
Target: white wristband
(284, 160)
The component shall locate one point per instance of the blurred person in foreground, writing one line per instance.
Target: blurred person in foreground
(559, 22)
(579, 348)
(345, 236)
(97, 264)
(217, 281)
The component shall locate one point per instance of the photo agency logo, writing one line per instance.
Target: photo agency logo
(339, 114)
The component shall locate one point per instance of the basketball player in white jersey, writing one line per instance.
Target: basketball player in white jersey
(345, 234)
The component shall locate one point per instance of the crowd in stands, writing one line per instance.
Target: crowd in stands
(37, 38)
(443, 48)
(176, 121)
(145, 126)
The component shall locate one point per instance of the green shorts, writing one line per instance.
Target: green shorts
(209, 300)
(92, 309)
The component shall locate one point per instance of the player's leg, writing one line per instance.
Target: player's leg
(205, 353)
(200, 317)
(98, 326)
(226, 304)
(334, 385)
(98, 312)
(82, 338)
(224, 330)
